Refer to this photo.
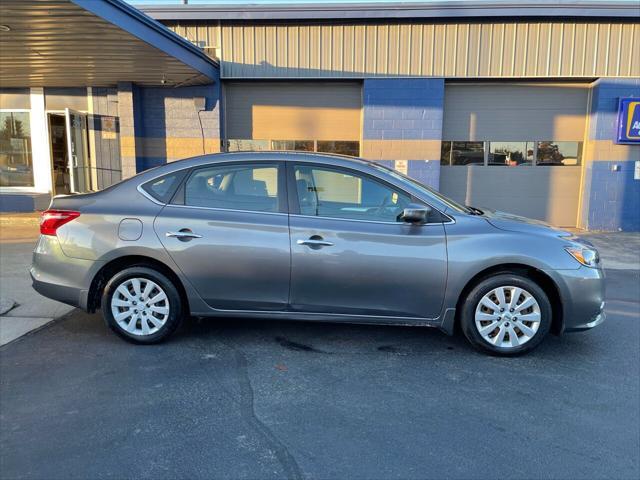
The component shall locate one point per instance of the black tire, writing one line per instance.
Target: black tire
(484, 287)
(175, 305)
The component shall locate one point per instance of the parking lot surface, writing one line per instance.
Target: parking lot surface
(249, 399)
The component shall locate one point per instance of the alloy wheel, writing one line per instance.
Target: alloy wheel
(507, 317)
(140, 306)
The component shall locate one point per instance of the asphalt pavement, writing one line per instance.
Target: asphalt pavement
(261, 399)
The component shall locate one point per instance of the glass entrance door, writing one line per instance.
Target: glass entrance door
(78, 151)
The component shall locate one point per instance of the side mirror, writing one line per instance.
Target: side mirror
(415, 213)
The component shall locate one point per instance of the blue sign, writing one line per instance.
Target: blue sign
(629, 120)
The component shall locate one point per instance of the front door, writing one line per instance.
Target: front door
(351, 255)
(227, 230)
(59, 154)
(78, 151)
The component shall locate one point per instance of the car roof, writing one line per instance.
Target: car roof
(366, 166)
(283, 155)
(271, 155)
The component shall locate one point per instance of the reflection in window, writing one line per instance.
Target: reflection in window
(445, 153)
(510, 154)
(337, 193)
(559, 153)
(162, 188)
(16, 167)
(339, 147)
(237, 187)
(297, 145)
(242, 145)
(467, 153)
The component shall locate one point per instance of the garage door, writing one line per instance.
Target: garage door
(515, 148)
(309, 116)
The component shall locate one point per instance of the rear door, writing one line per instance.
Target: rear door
(227, 230)
(351, 255)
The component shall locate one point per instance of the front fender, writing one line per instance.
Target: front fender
(474, 246)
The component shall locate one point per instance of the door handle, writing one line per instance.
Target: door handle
(184, 234)
(315, 243)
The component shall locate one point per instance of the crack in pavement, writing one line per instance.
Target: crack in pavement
(247, 406)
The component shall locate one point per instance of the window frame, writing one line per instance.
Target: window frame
(178, 199)
(294, 205)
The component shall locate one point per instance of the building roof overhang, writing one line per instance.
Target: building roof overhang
(76, 43)
(438, 10)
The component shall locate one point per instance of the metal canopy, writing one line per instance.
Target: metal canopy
(63, 43)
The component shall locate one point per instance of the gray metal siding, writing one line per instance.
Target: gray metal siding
(418, 48)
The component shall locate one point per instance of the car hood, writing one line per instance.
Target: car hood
(516, 223)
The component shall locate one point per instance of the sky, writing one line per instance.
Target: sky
(267, 2)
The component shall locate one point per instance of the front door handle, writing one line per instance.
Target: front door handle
(184, 234)
(315, 242)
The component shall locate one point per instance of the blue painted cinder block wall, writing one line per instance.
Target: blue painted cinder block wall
(169, 127)
(402, 120)
(611, 196)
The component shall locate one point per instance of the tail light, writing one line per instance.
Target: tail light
(51, 220)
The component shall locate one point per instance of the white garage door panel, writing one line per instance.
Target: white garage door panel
(293, 111)
(543, 193)
(516, 112)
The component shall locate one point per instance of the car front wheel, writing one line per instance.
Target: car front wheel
(506, 314)
(141, 305)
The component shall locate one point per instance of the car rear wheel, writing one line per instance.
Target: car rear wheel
(506, 314)
(141, 305)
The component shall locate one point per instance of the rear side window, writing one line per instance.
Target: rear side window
(163, 188)
(234, 187)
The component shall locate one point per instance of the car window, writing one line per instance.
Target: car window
(337, 193)
(163, 188)
(237, 187)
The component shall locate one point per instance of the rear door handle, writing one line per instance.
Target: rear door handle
(315, 243)
(184, 234)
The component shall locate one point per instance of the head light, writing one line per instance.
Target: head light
(586, 256)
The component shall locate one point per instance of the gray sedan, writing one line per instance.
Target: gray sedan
(279, 235)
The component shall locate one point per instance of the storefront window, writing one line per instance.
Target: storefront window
(244, 145)
(559, 153)
(510, 154)
(445, 153)
(299, 145)
(467, 153)
(16, 166)
(339, 147)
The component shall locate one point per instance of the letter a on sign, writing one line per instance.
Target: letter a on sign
(629, 120)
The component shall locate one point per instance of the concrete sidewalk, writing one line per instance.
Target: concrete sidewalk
(22, 309)
(28, 310)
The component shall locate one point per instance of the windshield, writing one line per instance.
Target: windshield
(421, 186)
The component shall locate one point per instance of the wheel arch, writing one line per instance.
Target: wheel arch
(115, 265)
(541, 278)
